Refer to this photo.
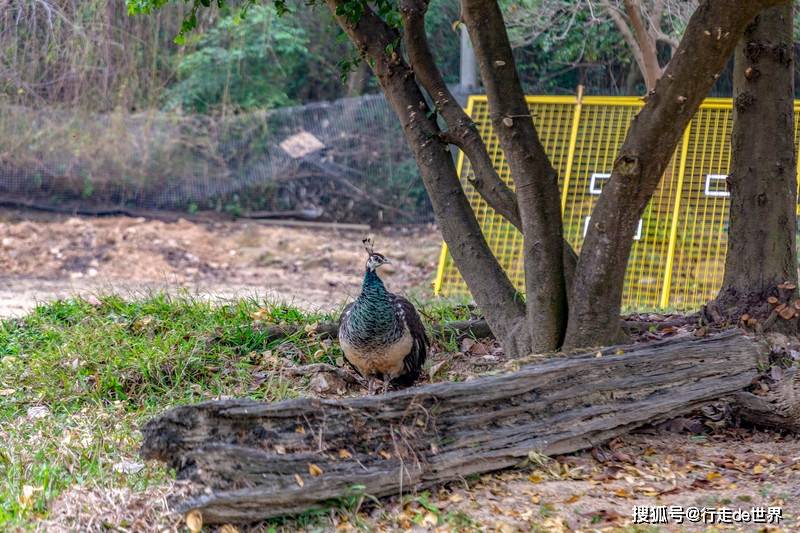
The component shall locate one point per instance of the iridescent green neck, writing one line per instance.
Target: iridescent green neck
(372, 286)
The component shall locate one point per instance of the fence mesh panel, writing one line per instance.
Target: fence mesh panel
(341, 161)
(678, 254)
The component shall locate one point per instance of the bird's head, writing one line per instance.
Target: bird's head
(375, 259)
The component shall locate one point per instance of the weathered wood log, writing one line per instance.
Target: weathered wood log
(250, 460)
(778, 408)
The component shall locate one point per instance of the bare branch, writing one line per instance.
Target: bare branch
(647, 44)
(461, 130)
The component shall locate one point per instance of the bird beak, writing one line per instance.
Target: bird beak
(387, 262)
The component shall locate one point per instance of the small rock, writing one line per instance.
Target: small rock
(128, 467)
(327, 383)
(39, 411)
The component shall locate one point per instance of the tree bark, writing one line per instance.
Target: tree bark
(762, 180)
(250, 460)
(493, 291)
(358, 79)
(778, 409)
(596, 293)
(535, 179)
(461, 130)
(647, 43)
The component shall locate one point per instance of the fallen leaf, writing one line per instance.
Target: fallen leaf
(623, 493)
(299, 480)
(194, 521)
(758, 469)
(429, 520)
(435, 368)
(28, 492)
(344, 454)
(712, 476)
(622, 457)
(259, 314)
(535, 478)
(227, 528)
(314, 470)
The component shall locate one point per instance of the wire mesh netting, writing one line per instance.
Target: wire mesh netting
(678, 256)
(339, 161)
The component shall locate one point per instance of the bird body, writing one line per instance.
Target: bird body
(381, 334)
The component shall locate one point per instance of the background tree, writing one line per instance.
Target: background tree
(651, 29)
(544, 318)
(762, 181)
(645, 26)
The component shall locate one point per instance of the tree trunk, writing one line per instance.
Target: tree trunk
(596, 294)
(535, 179)
(251, 460)
(762, 180)
(651, 70)
(493, 291)
(358, 79)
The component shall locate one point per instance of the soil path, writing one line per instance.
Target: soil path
(43, 257)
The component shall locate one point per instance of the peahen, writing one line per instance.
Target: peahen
(380, 333)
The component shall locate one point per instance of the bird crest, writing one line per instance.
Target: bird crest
(374, 259)
(369, 246)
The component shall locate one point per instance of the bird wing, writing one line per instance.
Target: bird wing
(419, 351)
(342, 318)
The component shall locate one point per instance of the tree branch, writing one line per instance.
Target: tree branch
(622, 25)
(708, 42)
(534, 177)
(646, 42)
(493, 291)
(461, 129)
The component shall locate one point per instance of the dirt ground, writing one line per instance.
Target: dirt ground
(43, 257)
(705, 479)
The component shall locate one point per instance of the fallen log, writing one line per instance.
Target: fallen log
(249, 460)
(777, 408)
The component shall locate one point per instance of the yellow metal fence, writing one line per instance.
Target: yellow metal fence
(678, 256)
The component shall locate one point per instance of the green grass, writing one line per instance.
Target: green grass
(78, 377)
(95, 371)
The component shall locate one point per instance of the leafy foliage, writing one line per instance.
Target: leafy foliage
(254, 62)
